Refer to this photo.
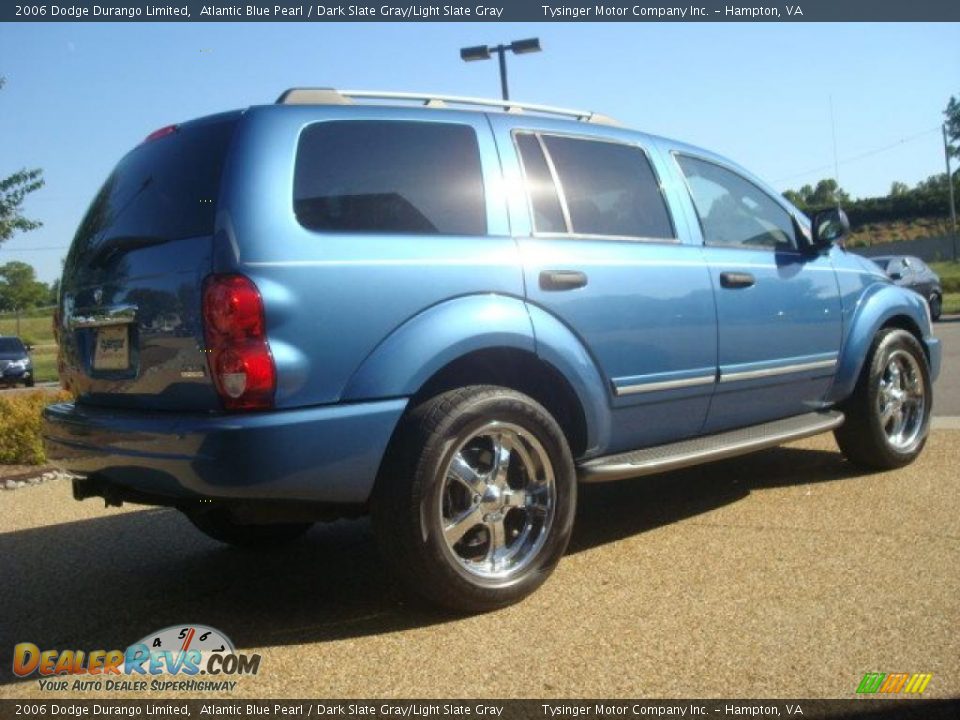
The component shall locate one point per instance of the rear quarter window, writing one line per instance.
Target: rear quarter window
(367, 176)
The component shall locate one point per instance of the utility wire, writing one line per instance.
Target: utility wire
(37, 249)
(861, 156)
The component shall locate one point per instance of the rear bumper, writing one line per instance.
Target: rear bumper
(328, 454)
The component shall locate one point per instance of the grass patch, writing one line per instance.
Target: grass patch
(949, 273)
(951, 303)
(36, 326)
(45, 363)
(20, 442)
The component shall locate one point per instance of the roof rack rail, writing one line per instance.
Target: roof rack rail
(332, 96)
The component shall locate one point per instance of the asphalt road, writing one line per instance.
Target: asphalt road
(782, 574)
(947, 389)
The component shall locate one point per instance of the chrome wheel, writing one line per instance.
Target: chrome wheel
(901, 401)
(497, 501)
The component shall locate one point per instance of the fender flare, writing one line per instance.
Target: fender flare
(427, 342)
(877, 306)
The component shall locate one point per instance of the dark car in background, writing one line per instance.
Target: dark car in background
(912, 272)
(15, 364)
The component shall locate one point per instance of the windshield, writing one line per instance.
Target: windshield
(11, 345)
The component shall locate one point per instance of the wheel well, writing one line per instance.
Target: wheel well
(904, 322)
(521, 371)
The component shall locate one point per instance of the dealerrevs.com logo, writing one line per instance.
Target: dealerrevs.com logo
(187, 650)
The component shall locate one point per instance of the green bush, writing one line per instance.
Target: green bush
(20, 442)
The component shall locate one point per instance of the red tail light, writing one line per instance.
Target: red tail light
(237, 348)
(162, 132)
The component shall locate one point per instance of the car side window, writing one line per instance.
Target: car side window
(389, 176)
(734, 212)
(602, 188)
(542, 191)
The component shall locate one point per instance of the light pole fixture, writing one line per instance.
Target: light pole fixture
(482, 52)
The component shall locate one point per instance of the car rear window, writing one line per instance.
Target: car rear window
(390, 176)
(164, 189)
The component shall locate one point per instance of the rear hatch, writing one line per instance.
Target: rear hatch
(130, 317)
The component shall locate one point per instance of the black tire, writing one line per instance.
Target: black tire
(864, 437)
(217, 524)
(936, 306)
(417, 488)
(30, 382)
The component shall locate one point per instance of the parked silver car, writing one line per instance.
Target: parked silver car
(911, 272)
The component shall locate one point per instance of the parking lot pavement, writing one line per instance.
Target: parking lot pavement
(947, 389)
(782, 574)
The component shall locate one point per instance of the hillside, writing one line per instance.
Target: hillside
(877, 233)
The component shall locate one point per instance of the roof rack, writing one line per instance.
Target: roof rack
(332, 96)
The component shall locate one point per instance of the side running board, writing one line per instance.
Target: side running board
(704, 449)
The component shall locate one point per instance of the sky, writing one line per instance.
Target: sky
(79, 95)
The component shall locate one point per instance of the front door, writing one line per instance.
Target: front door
(778, 306)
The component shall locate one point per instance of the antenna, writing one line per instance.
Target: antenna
(836, 162)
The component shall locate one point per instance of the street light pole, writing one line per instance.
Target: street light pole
(502, 52)
(517, 47)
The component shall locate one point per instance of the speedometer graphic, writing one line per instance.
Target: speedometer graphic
(181, 638)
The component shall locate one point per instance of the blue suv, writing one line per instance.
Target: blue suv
(446, 315)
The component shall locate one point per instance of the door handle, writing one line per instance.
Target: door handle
(737, 280)
(555, 280)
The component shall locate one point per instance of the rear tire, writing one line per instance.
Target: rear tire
(30, 383)
(217, 524)
(474, 505)
(888, 415)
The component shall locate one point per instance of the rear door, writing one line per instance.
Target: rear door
(603, 253)
(130, 311)
(778, 308)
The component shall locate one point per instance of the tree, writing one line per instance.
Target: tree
(827, 193)
(19, 287)
(952, 113)
(13, 190)
(898, 189)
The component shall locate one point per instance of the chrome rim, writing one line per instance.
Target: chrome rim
(497, 501)
(901, 402)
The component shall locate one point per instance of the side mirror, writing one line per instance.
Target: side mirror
(829, 226)
(29, 347)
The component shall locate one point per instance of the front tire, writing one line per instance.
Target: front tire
(218, 524)
(888, 415)
(936, 306)
(474, 505)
